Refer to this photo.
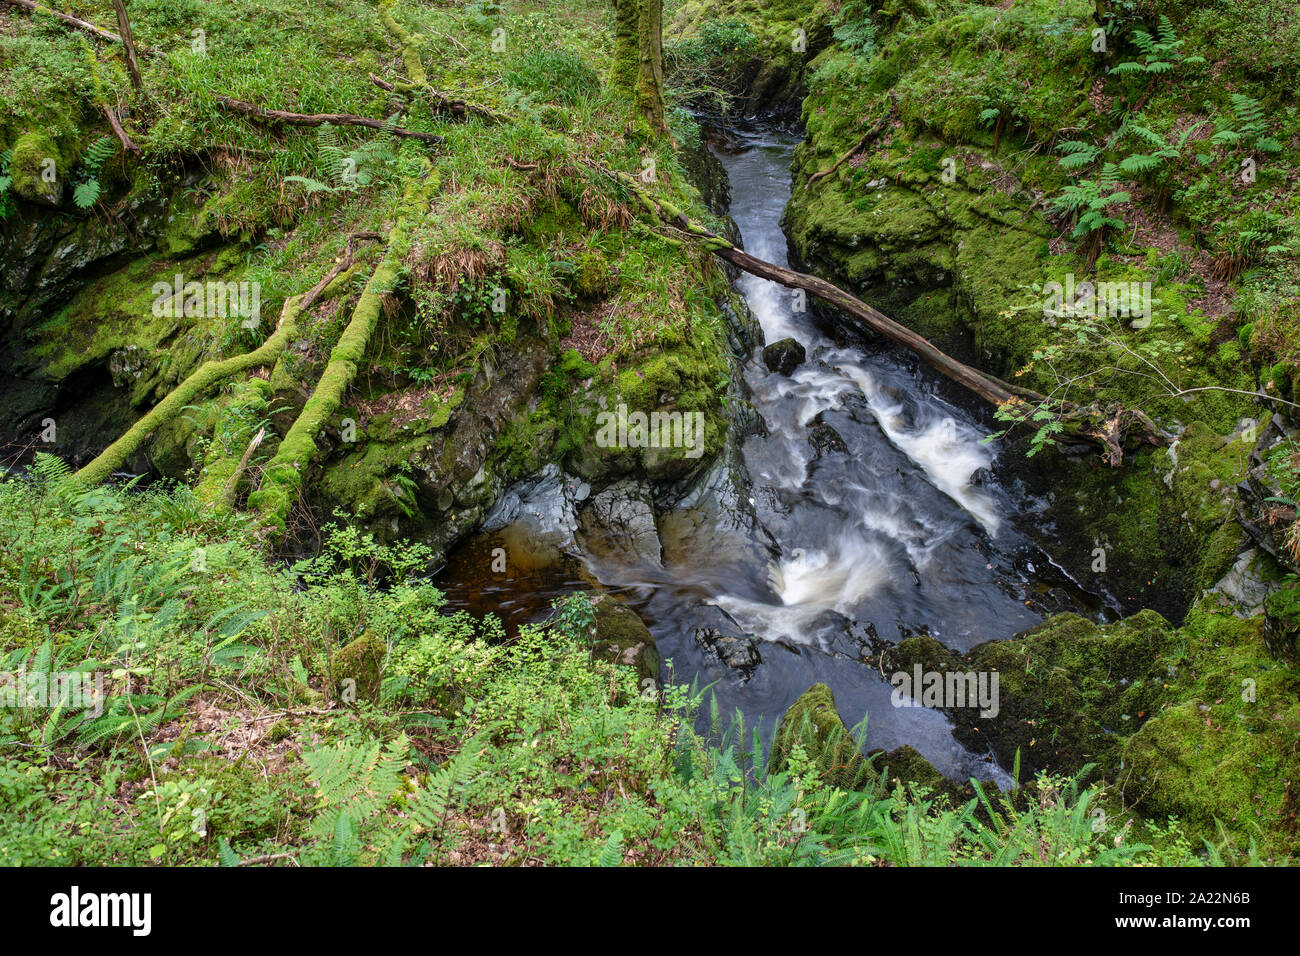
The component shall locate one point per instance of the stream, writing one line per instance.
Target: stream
(866, 511)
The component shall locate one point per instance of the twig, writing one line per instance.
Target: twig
(125, 140)
(268, 858)
(90, 28)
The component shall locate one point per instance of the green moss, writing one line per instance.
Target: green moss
(813, 723)
(618, 634)
(39, 168)
(357, 669)
(1224, 752)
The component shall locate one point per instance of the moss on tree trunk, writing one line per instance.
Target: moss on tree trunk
(638, 58)
(283, 475)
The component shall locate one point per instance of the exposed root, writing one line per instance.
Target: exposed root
(210, 373)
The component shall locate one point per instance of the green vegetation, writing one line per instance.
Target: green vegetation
(350, 720)
(462, 282)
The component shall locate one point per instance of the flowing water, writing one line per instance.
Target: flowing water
(871, 515)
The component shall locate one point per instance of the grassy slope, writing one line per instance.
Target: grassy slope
(577, 273)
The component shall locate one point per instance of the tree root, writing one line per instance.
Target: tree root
(210, 373)
(283, 475)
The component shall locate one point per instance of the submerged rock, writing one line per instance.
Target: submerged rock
(784, 356)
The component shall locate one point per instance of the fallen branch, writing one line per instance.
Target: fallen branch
(90, 28)
(320, 119)
(120, 133)
(853, 150)
(441, 102)
(1112, 428)
(115, 456)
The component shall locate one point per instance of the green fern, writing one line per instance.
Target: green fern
(611, 854)
(92, 161)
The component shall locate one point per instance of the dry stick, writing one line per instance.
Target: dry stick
(128, 41)
(232, 483)
(90, 28)
(320, 119)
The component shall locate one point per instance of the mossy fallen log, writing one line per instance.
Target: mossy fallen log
(209, 374)
(320, 119)
(283, 476)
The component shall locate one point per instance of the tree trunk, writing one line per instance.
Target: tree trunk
(638, 58)
(128, 41)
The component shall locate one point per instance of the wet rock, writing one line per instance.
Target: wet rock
(739, 652)
(619, 523)
(825, 439)
(784, 357)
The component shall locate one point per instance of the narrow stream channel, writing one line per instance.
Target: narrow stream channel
(871, 514)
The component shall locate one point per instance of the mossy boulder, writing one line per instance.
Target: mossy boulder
(357, 669)
(814, 723)
(618, 634)
(784, 357)
(39, 168)
(1225, 752)
(1069, 690)
(905, 765)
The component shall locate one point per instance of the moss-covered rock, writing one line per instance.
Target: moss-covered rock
(1223, 752)
(813, 723)
(783, 357)
(905, 765)
(39, 168)
(1069, 690)
(618, 634)
(357, 669)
